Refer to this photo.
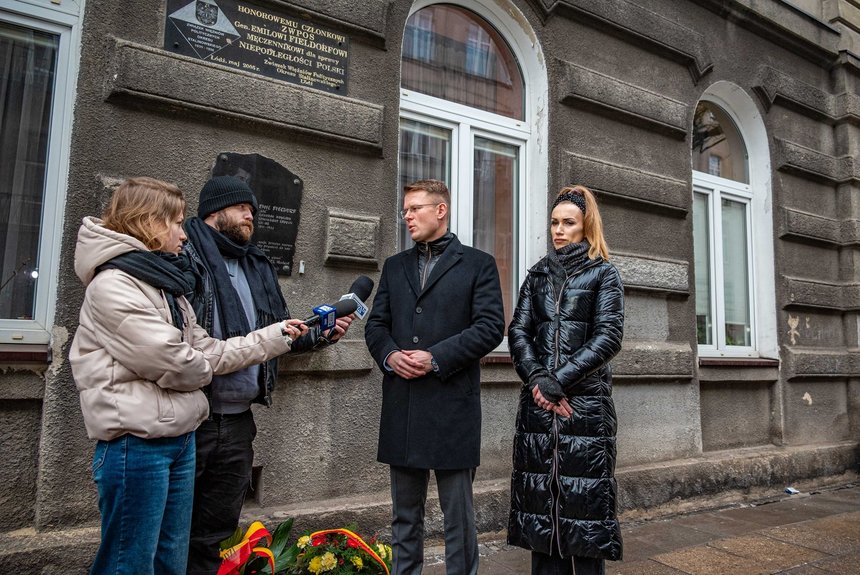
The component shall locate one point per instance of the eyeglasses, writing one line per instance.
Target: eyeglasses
(413, 209)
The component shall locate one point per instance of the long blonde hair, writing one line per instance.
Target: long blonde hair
(143, 208)
(592, 225)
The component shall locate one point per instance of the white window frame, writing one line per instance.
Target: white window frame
(530, 135)
(744, 112)
(64, 21)
(715, 189)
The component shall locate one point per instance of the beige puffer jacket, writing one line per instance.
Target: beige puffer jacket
(135, 371)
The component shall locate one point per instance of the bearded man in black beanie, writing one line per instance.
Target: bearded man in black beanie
(240, 293)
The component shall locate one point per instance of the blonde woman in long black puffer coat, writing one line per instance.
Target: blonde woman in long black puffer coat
(567, 325)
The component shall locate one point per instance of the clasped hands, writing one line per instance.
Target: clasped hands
(411, 363)
(551, 387)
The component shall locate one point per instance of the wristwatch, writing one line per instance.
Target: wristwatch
(434, 365)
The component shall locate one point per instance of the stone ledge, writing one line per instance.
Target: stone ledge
(818, 363)
(171, 83)
(587, 89)
(815, 165)
(730, 473)
(839, 296)
(672, 197)
(366, 19)
(774, 86)
(348, 356)
(652, 274)
(647, 29)
(787, 26)
(650, 359)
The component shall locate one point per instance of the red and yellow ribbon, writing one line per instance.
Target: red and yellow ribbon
(350, 536)
(235, 557)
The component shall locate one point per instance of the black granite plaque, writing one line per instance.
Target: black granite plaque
(258, 39)
(279, 194)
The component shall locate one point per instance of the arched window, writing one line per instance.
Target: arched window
(732, 234)
(467, 119)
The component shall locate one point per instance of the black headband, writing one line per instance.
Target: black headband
(571, 197)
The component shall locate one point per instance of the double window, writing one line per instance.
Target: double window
(723, 236)
(37, 75)
(463, 121)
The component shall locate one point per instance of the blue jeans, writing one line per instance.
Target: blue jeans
(146, 488)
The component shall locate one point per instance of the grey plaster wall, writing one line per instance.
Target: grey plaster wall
(19, 435)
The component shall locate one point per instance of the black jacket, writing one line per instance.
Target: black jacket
(562, 489)
(434, 422)
(203, 305)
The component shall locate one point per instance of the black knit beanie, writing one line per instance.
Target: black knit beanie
(224, 191)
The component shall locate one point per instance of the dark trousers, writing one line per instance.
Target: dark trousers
(408, 496)
(225, 456)
(543, 564)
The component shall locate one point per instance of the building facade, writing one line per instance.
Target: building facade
(722, 138)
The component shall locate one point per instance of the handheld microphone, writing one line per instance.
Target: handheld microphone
(325, 315)
(359, 291)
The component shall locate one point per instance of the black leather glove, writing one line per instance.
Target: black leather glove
(549, 387)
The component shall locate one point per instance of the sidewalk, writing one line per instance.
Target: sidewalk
(803, 534)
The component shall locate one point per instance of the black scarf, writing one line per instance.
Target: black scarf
(213, 247)
(567, 260)
(171, 273)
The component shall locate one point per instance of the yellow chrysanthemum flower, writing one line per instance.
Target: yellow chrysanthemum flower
(328, 561)
(388, 551)
(380, 550)
(315, 566)
(357, 562)
(303, 541)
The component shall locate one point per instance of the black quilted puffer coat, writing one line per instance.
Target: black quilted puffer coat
(562, 489)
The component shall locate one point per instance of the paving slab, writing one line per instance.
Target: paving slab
(644, 567)
(776, 554)
(843, 565)
(705, 560)
(666, 535)
(717, 523)
(837, 535)
(805, 570)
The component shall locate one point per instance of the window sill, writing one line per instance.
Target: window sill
(738, 362)
(25, 354)
(497, 358)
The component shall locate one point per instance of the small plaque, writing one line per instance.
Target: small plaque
(248, 37)
(279, 195)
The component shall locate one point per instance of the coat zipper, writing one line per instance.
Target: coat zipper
(555, 431)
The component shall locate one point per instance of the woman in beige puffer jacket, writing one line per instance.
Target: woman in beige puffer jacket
(139, 361)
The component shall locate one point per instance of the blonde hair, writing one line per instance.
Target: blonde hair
(592, 225)
(143, 208)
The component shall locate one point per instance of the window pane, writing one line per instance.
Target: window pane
(451, 53)
(736, 273)
(27, 66)
(495, 189)
(701, 248)
(718, 148)
(425, 153)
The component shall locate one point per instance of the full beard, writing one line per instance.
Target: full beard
(238, 232)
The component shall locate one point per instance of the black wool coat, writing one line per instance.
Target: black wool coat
(434, 422)
(563, 490)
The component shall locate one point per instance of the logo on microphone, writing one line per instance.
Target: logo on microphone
(360, 308)
(327, 314)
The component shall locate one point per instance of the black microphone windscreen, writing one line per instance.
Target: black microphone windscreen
(362, 286)
(344, 307)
